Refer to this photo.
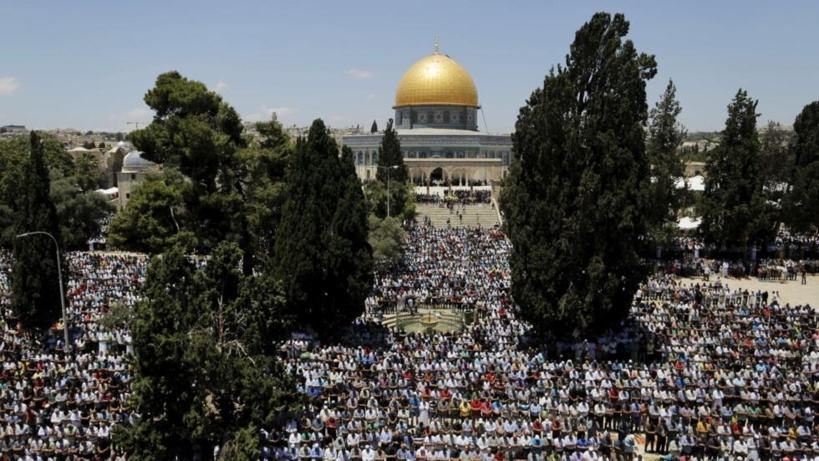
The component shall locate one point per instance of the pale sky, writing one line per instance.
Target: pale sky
(87, 65)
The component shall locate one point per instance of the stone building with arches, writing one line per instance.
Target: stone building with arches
(436, 119)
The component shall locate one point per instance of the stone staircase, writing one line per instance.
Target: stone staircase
(481, 214)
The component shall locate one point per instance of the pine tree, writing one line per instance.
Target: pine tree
(733, 207)
(200, 135)
(803, 199)
(35, 288)
(577, 197)
(665, 137)
(374, 128)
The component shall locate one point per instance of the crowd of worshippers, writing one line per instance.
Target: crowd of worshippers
(702, 370)
(461, 196)
(762, 270)
(439, 272)
(697, 371)
(58, 407)
(807, 242)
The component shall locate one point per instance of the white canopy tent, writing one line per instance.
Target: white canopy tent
(687, 223)
(694, 183)
(108, 192)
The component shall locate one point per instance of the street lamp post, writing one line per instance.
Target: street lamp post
(388, 168)
(67, 347)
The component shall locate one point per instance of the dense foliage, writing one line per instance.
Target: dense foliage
(80, 210)
(35, 299)
(733, 207)
(205, 374)
(777, 160)
(577, 201)
(391, 179)
(154, 218)
(387, 241)
(232, 185)
(321, 251)
(803, 204)
(665, 137)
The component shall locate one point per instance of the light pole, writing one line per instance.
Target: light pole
(67, 347)
(388, 168)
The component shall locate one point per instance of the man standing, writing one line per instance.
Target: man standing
(651, 433)
(662, 438)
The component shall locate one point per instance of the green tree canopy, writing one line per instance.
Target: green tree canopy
(199, 134)
(733, 207)
(35, 286)
(803, 201)
(387, 241)
(154, 217)
(80, 213)
(322, 252)
(777, 162)
(233, 184)
(392, 176)
(666, 135)
(391, 158)
(87, 172)
(79, 210)
(577, 199)
(203, 376)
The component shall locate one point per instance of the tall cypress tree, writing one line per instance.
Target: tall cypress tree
(803, 200)
(733, 207)
(350, 258)
(577, 198)
(35, 284)
(390, 156)
(391, 169)
(665, 137)
(322, 253)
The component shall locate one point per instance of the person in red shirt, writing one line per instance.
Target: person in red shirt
(475, 407)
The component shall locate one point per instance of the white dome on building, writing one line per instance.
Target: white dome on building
(135, 162)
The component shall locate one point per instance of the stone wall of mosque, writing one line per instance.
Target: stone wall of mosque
(453, 117)
(476, 156)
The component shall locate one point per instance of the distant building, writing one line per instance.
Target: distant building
(436, 119)
(11, 131)
(134, 170)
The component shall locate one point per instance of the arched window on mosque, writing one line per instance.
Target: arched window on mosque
(375, 157)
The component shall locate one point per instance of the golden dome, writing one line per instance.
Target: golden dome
(436, 80)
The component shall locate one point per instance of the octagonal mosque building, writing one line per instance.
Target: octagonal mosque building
(436, 118)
